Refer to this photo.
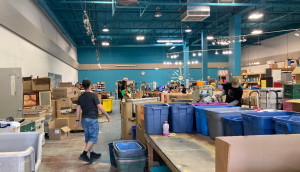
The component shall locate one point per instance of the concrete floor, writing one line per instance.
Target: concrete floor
(62, 155)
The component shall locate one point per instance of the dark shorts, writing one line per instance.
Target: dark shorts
(91, 129)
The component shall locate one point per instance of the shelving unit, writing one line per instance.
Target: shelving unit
(252, 78)
(101, 86)
(223, 79)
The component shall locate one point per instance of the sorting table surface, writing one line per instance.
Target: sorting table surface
(183, 152)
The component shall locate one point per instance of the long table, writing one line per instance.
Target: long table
(183, 152)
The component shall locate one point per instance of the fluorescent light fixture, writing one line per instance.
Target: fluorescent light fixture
(194, 54)
(140, 38)
(105, 43)
(180, 63)
(170, 41)
(172, 48)
(199, 54)
(105, 29)
(188, 62)
(256, 32)
(156, 68)
(188, 30)
(255, 16)
(196, 62)
(165, 63)
(209, 37)
(176, 63)
(216, 53)
(193, 62)
(125, 65)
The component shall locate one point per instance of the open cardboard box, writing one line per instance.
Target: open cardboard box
(58, 129)
(261, 153)
(296, 104)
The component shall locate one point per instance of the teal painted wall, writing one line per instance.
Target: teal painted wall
(137, 55)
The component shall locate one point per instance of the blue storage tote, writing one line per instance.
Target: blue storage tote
(155, 115)
(134, 132)
(201, 120)
(214, 119)
(181, 118)
(129, 148)
(160, 169)
(287, 125)
(261, 123)
(233, 125)
(280, 124)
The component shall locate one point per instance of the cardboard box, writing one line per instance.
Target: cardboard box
(272, 153)
(33, 113)
(65, 84)
(53, 108)
(58, 129)
(63, 103)
(65, 92)
(72, 121)
(27, 84)
(296, 72)
(74, 106)
(296, 104)
(272, 66)
(42, 84)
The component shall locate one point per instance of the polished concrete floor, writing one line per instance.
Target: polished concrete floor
(62, 155)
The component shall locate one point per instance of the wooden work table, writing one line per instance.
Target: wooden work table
(183, 152)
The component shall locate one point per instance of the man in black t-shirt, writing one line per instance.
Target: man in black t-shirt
(89, 103)
(233, 92)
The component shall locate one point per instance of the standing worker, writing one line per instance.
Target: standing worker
(89, 103)
(233, 92)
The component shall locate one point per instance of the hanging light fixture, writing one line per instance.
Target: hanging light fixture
(180, 63)
(193, 62)
(196, 62)
(105, 29)
(256, 32)
(157, 13)
(210, 38)
(188, 30)
(165, 63)
(194, 54)
(216, 53)
(199, 54)
(140, 38)
(255, 16)
(188, 62)
(297, 33)
(176, 63)
(105, 43)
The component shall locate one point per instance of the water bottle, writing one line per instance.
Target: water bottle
(166, 129)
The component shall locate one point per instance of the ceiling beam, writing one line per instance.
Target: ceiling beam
(178, 3)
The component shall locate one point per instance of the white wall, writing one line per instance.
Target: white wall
(17, 52)
(279, 45)
(33, 13)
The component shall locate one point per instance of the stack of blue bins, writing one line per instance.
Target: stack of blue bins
(155, 115)
(201, 119)
(181, 117)
(262, 122)
(130, 155)
(287, 124)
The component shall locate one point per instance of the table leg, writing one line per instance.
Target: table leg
(150, 156)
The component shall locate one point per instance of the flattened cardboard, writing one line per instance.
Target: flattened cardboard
(271, 153)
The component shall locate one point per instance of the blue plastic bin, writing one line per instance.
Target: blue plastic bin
(155, 115)
(160, 169)
(233, 125)
(129, 148)
(111, 155)
(262, 123)
(134, 132)
(287, 125)
(201, 120)
(280, 124)
(181, 118)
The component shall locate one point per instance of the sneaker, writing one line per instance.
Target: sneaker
(85, 158)
(95, 156)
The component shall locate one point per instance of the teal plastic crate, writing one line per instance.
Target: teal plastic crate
(291, 91)
(160, 169)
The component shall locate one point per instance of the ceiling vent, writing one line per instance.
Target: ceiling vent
(194, 13)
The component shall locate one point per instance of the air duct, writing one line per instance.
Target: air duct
(195, 13)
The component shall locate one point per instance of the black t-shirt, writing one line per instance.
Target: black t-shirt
(88, 102)
(233, 93)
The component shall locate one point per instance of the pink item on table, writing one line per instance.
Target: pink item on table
(209, 104)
